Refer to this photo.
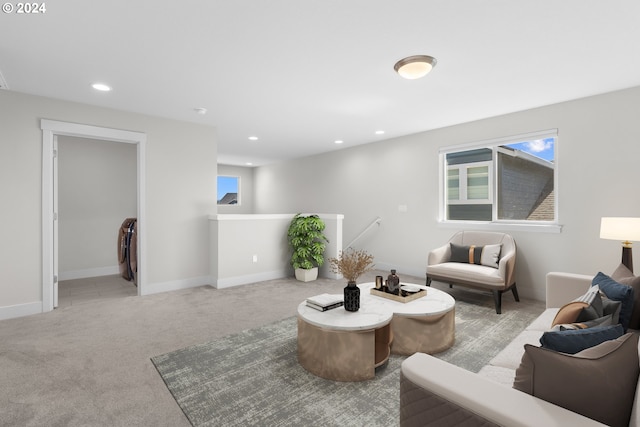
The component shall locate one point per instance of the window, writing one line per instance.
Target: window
(505, 180)
(228, 190)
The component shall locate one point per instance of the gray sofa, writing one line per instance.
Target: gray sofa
(436, 393)
(495, 274)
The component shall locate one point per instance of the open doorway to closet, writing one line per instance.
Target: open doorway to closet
(96, 191)
(52, 131)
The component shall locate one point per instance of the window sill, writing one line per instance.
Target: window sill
(502, 226)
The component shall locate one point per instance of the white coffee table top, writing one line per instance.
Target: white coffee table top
(434, 303)
(368, 317)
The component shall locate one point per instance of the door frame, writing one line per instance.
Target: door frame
(50, 130)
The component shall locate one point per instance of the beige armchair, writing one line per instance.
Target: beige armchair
(487, 270)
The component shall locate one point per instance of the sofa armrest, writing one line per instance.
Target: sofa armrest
(439, 255)
(476, 395)
(565, 287)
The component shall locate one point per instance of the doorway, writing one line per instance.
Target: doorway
(51, 130)
(96, 192)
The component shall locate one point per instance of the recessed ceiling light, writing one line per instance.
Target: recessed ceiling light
(338, 141)
(253, 138)
(200, 110)
(414, 67)
(249, 164)
(379, 132)
(101, 87)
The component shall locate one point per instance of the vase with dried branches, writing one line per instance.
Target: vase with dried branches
(352, 264)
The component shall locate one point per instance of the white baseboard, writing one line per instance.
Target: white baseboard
(20, 310)
(90, 272)
(228, 282)
(174, 285)
(403, 269)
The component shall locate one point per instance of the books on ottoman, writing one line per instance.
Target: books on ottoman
(324, 302)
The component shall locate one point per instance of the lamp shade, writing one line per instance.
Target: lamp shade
(620, 228)
(414, 67)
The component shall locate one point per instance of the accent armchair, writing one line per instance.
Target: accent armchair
(477, 259)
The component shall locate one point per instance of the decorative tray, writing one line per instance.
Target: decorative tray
(399, 298)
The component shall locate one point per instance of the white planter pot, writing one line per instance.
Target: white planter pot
(307, 275)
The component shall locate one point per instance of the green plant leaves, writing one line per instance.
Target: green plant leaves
(306, 238)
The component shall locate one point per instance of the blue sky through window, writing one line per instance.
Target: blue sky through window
(227, 184)
(542, 148)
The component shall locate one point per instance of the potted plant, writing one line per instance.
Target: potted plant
(306, 238)
(352, 264)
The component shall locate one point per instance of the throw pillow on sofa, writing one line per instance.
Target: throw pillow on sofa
(573, 341)
(488, 255)
(599, 382)
(625, 276)
(601, 321)
(569, 313)
(617, 292)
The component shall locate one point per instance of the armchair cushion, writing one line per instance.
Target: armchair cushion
(608, 371)
(488, 255)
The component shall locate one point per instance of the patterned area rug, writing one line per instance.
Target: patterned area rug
(253, 377)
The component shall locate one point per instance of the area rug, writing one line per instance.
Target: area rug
(253, 377)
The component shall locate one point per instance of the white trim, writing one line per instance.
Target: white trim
(229, 282)
(52, 128)
(551, 227)
(252, 217)
(538, 227)
(20, 310)
(89, 272)
(175, 285)
(404, 270)
(513, 139)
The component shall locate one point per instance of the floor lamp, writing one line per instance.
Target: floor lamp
(624, 230)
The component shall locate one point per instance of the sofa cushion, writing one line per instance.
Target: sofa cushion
(617, 292)
(625, 276)
(572, 341)
(601, 321)
(585, 307)
(488, 255)
(606, 374)
(612, 308)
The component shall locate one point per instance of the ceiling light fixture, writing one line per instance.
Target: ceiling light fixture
(101, 87)
(414, 67)
(379, 132)
(200, 110)
(253, 138)
(338, 141)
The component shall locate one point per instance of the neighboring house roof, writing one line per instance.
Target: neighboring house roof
(229, 199)
(545, 210)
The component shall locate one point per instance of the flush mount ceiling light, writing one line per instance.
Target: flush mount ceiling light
(253, 138)
(414, 67)
(201, 111)
(101, 87)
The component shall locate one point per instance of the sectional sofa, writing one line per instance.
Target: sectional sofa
(600, 381)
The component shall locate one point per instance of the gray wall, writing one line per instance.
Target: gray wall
(97, 187)
(246, 189)
(597, 159)
(181, 171)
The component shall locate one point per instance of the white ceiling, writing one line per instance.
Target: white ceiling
(300, 74)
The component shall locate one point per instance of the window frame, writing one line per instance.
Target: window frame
(238, 193)
(502, 224)
(463, 184)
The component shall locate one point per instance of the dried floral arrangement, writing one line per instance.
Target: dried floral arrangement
(352, 264)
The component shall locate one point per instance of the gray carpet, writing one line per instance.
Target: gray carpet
(253, 377)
